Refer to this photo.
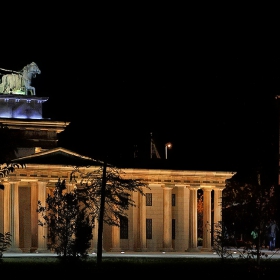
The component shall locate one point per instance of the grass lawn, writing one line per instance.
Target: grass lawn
(126, 268)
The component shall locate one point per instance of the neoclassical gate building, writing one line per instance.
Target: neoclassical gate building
(165, 219)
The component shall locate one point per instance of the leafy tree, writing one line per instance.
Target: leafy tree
(6, 169)
(221, 240)
(248, 202)
(68, 220)
(108, 194)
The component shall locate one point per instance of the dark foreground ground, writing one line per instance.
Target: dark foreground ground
(128, 268)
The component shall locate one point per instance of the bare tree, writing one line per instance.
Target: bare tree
(108, 193)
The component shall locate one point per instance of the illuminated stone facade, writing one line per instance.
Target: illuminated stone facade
(170, 214)
(163, 220)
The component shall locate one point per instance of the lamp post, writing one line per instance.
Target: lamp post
(167, 146)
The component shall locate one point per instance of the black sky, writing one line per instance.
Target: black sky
(207, 88)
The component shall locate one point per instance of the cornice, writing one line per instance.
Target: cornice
(28, 98)
(59, 126)
(190, 179)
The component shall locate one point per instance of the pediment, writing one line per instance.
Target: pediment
(58, 156)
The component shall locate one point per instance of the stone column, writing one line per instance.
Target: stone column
(7, 207)
(167, 218)
(93, 247)
(206, 245)
(218, 192)
(70, 187)
(2, 208)
(34, 218)
(42, 230)
(14, 217)
(134, 224)
(193, 221)
(218, 196)
(142, 223)
(115, 239)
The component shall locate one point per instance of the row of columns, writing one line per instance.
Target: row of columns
(38, 233)
(11, 215)
(167, 220)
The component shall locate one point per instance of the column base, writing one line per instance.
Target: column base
(33, 249)
(193, 250)
(206, 250)
(167, 250)
(26, 250)
(116, 250)
(14, 250)
(95, 251)
(141, 250)
(42, 250)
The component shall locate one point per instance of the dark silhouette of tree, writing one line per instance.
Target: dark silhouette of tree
(7, 168)
(221, 241)
(248, 202)
(108, 194)
(68, 220)
(5, 242)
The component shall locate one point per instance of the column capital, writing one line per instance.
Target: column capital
(193, 188)
(168, 186)
(16, 183)
(219, 188)
(207, 189)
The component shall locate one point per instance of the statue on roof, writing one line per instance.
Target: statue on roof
(19, 82)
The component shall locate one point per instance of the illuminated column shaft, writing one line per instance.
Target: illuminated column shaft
(206, 246)
(193, 221)
(93, 243)
(2, 208)
(42, 230)
(70, 187)
(143, 217)
(167, 218)
(218, 197)
(34, 220)
(7, 207)
(115, 239)
(14, 217)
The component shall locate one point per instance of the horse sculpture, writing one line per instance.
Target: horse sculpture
(20, 82)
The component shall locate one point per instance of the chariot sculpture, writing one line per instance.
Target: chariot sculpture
(19, 82)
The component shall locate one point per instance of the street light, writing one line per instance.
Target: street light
(167, 146)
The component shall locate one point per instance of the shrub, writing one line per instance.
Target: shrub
(5, 242)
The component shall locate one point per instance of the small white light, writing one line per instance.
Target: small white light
(122, 252)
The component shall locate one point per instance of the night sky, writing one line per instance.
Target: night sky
(210, 90)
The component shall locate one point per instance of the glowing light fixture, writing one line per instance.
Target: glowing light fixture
(167, 146)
